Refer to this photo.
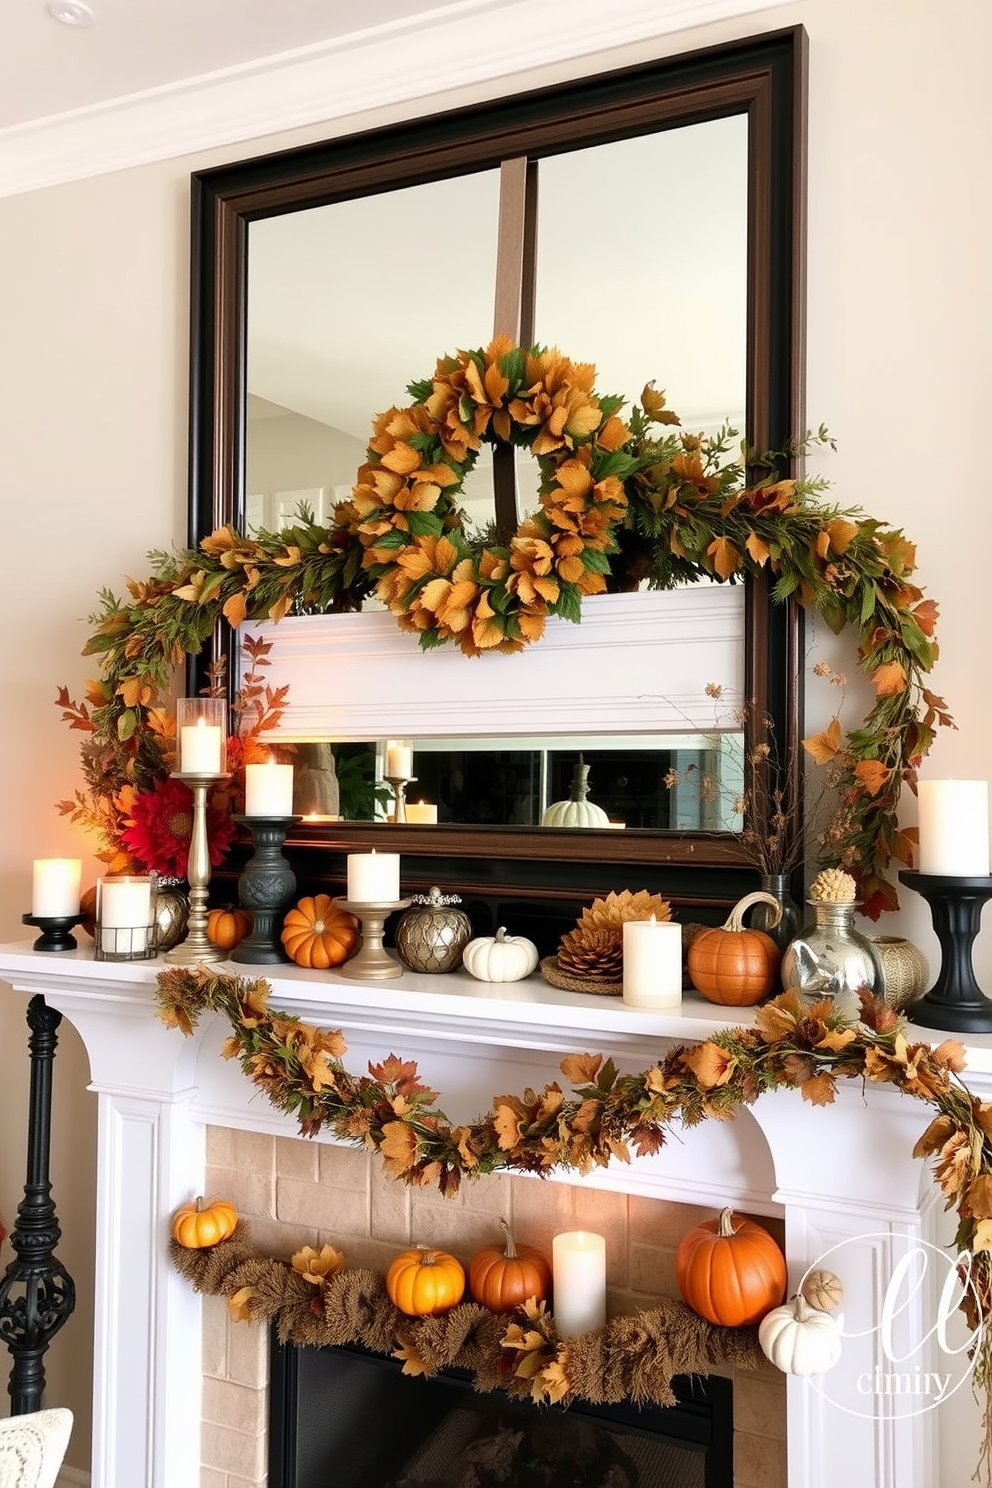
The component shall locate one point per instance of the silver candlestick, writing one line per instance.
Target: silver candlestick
(399, 784)
(197, 946)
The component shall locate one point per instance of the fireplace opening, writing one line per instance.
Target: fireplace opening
(351, 1418)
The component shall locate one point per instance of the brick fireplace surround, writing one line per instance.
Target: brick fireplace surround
(175, 1120)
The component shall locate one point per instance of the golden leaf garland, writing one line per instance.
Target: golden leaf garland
(793, 1045)
(674, 502)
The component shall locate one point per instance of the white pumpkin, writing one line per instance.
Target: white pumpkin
(500, 957)
(575, 814)
(577, 811)
(798, 1339)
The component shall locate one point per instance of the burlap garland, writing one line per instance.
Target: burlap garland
(634, 1357)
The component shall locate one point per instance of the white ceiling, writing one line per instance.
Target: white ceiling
(134, 46)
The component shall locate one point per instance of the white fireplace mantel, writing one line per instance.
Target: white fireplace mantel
(843, 1176)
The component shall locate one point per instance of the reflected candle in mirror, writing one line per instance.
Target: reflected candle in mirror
(269, 789)
(55, 887)
(954, 828)
(373, 878)
(423, 812)
(652, 963)
(399, 760)
(578, 1260)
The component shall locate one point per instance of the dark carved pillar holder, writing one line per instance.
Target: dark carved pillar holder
(265, 888)
(955, 1001)
(37, 1294)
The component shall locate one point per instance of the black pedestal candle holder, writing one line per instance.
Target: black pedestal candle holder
(955, 1001)
(55, 931)
(372, 962)
(265, 888)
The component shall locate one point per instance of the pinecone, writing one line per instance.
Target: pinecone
(611, 912)
(834, 886)
(592, 953)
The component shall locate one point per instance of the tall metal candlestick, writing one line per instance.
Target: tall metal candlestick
(197, 946)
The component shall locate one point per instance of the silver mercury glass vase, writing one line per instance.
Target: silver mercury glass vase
(431, 934)
(830, 958)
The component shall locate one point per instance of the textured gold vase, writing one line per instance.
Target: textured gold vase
(905, 970)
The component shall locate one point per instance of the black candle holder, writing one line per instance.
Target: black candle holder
(55, 931)
(955, 1001)
(265, 888)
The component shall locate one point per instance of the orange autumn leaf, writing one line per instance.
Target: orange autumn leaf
(726, 557)
(889, 678)
(925, 615)
(873, 775)
(758, 550)
(825, 745)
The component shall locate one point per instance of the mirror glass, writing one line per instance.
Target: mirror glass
(655, 782)
(348, 303)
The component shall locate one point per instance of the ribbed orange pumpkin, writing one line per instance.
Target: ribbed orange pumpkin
(422, 1282)
(732, 965)
(502, 1277)
(201, 1224)
(227, 927)
(317, 933)
(730, 1270)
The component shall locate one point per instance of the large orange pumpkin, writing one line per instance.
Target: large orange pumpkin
(200, 1224)
(317, 933)
(227, 927)
(732, 965)
(422, 1282)
(502, 1277)
(730, 1270)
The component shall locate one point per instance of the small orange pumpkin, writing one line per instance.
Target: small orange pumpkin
(730, 1270)
(317, 933)
(733, 965)
(422, 1282)
(502, 1277)
(200, 1224)
(228, 926)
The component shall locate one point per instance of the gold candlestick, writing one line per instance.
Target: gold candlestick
(372, 962)
(196, 946)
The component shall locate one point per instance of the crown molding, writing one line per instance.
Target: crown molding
(471, 43)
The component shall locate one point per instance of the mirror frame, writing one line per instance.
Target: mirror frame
(764, 78)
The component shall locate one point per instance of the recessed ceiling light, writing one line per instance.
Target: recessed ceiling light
(71, 12)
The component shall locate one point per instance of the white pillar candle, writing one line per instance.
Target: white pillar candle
(200, 749)
(421, 811)
(652, 963)
(399, 761)
(124, 912)
(373, 878)
(578, 1261)
(55, 887)
(954, 828)
(269, 789)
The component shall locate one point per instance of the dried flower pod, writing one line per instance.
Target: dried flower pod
(835, 886)
(823, 1290)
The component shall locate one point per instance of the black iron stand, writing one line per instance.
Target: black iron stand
(955, 1001)
(37, 1294)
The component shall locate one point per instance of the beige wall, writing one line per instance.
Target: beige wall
(93, 305)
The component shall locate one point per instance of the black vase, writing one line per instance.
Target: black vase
(788, 927)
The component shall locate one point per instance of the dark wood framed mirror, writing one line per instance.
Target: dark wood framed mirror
(760, 80)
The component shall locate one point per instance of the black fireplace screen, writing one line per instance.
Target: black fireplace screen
(346, 1418)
